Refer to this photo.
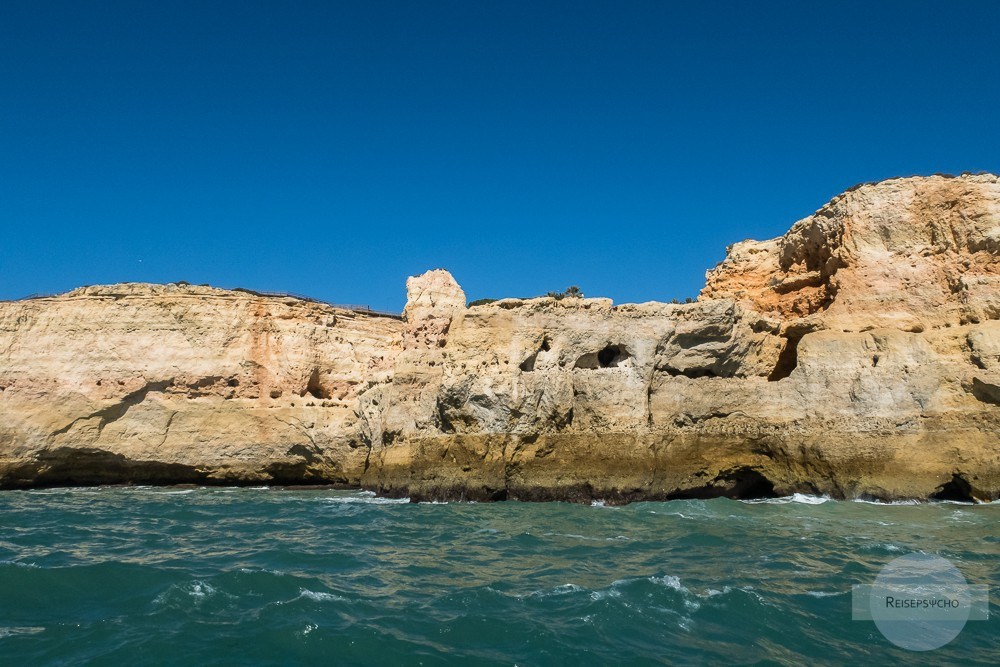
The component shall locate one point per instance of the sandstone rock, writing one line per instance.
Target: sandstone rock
(907, 253)
(858, 355)
(431, 295)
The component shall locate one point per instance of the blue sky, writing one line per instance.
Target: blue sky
(334, 148)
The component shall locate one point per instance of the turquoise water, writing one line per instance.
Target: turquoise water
(257, 576)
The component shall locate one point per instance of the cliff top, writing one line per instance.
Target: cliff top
(910, 253)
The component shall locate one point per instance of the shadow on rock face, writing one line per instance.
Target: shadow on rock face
(738, 484)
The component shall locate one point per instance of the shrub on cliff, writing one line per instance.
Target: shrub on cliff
(571, 292)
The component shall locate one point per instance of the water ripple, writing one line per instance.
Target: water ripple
(261, 576)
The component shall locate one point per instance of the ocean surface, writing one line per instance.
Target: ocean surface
(166, 576)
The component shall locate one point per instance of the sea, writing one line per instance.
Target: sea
(264, 576)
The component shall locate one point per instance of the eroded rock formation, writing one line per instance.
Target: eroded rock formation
(857, 356)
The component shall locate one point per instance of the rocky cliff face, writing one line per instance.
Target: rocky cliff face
(858, 356)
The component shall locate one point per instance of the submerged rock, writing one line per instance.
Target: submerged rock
(856, 356)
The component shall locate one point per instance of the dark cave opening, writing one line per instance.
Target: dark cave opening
(788, 359)
(528, 364)
(739, 484)
(958, 489)
(611, 356)
(693, 373)
(314, 388)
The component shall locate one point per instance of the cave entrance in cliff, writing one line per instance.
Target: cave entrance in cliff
(611, 356)
(314, 386)
(956, 490)
(743, 483)
(788, 359)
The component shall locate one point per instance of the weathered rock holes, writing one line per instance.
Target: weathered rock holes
(315, 388)
(693, 373)
(528, 365)
(987, 392)
(611, 356)
(788, 359)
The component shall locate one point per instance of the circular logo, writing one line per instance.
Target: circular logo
(920, 602)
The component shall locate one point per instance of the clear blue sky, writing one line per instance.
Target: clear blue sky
(334, 148)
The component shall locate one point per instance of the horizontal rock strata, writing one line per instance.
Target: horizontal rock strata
(856, 356)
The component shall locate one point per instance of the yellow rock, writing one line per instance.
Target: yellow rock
(857, 356)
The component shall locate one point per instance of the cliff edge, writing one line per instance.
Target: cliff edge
(858, 355)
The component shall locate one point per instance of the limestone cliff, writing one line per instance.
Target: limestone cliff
(858, 356)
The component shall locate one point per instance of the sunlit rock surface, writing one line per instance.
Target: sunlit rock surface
(856, 356)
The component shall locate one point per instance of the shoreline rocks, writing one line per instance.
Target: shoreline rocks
(857, 356)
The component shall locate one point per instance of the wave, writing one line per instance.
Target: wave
(866, 501)
(563, 589)
(826, 594)
(197, 591)
(20, 630)
(574, 536)
(319, 596)
(637, 588)
(669, 581)
(366, 498)
(800, 498)
(882, 546)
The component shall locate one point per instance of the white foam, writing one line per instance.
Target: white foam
(825, 594)
(574, 536)
(365, 498)
(800, 498)
(669, 581)
(882, 546)
(597, 596)
(199, 589)
(879, 502)
(250, 570)
(320, 596)
(564, 589)
(20, 630)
